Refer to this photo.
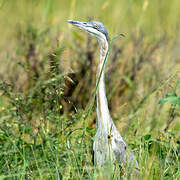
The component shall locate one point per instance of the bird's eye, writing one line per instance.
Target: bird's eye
(95, 26)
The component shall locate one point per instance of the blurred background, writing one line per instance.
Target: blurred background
(48, 67)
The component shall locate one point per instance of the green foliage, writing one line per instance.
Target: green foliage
(47, 87)
(172, 98)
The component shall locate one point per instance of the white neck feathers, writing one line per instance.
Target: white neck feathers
(104, 119)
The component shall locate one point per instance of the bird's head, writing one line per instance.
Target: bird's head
(94, 28)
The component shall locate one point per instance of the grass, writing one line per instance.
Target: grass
(47, 81)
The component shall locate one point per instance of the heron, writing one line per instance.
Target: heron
(108, 145)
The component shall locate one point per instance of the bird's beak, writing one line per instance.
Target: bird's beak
(79, 24)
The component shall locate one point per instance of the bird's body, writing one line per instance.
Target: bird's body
(108, 147)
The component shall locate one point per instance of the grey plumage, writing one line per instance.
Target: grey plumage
(100, 28)
(108, 144)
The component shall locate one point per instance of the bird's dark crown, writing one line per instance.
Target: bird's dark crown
(100, 27)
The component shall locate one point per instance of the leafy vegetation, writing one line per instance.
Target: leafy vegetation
(47, 83)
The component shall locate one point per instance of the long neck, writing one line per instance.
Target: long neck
(104, 121)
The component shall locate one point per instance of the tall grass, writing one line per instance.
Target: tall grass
(47, 81)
